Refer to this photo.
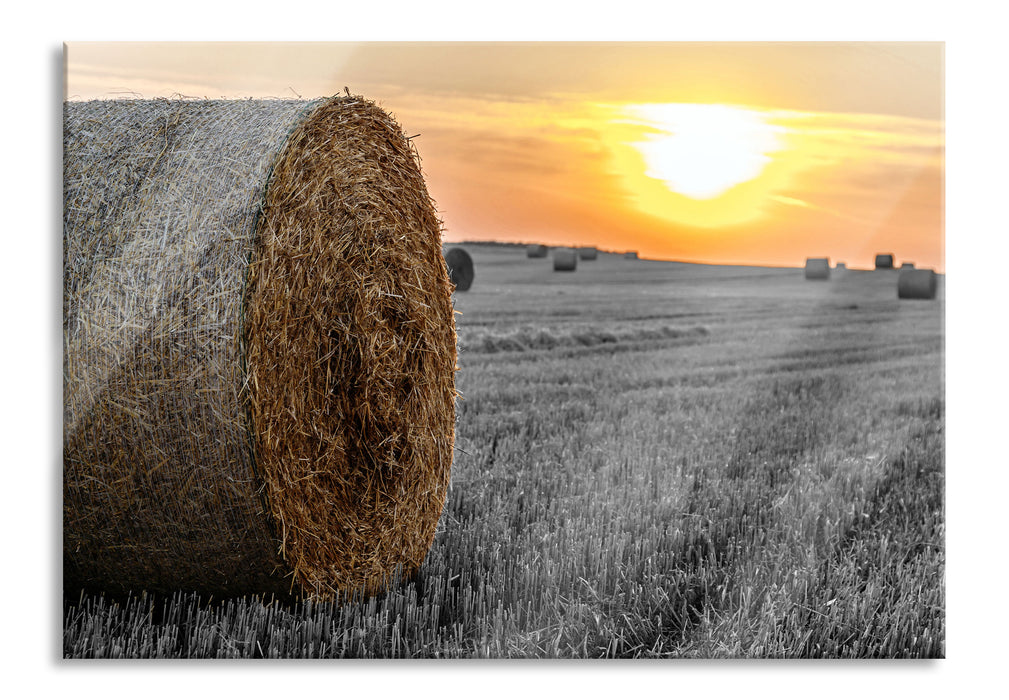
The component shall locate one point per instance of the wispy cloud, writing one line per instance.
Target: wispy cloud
(796, 202)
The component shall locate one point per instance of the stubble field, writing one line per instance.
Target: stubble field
(653, 459)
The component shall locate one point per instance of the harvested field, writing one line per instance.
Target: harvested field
(658, 460)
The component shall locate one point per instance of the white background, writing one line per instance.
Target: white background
(976, 231)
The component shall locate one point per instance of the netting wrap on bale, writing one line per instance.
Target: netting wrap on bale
(817, 268)
(916, 284)
(259, 348)
(460, 268)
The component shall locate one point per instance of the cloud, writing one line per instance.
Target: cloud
(795, 202)
(903, 78)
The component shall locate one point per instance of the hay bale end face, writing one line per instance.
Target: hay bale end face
(587, 253)
(817, 268)
(536, 251)
(460, 268)
(565, 260)
(884, 261)
(259, 348)
(917, 284)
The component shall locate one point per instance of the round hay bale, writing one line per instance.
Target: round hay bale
(536, 251)
(916, 284)
(817, 268)
(587, 253)
(907, 266)
(884, 261)
(840, 267)
(631, 255)
(460, 268)
(259, 348)
(565, 260)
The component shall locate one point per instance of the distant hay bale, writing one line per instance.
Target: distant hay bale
(536, 251)
(460, 268)
(817, 268)
(907, 266)
(631, 255)
(587, 253)
(259, 348)
(840, 267)
(565, 260)
(884, 261)
(916, 284)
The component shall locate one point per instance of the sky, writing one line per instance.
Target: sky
(725, 152)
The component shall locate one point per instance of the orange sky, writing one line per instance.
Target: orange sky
(759, 153)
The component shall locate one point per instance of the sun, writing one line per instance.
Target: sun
(708, 166)
(703, 150)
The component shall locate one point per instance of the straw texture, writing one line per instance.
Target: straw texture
(916, 284)
(817, 268)
(565, 260)
(587, 253)
(460, 268)
(536, 251)
(884, 261)
(259, 348)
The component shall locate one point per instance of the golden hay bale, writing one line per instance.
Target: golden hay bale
(536, 251)
(817, 268)
(460, 268)
(916, 284)
(259, 348)
(587, 253)
(884, 261)
(565, 260)
(631, 255)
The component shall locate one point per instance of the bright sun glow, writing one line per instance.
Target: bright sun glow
(703, 150)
